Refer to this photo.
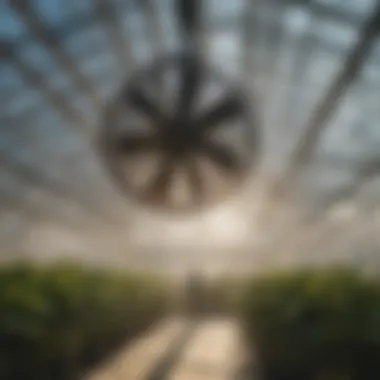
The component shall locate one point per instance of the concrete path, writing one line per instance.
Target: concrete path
(138, 359)
(213, 352)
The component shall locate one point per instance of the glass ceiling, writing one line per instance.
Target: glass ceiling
(56, 77)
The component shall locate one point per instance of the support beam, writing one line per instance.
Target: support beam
(305, 47)
(302, 155)
(34, 211)
(336, 14)
(365, 175)
(51, 40)
(153, 28)
(320, 13)
(108, 14)
(34, 176)
(53, 97)
(37, 80)
(189, 17)
(31, 176)
(351, 68)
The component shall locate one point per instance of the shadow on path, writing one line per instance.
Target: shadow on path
(161, 370)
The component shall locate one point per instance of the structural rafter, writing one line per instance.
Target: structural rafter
(52, 41)
(355, 61)
(113, 23)
(318, 122)
(37, 80)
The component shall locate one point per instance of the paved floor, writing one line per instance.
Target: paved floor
(136, 360)
(211, 352)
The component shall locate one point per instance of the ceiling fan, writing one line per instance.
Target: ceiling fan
(179, 135)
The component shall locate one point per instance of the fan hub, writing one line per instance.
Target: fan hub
(180, 137)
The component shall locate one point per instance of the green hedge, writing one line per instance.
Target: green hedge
(55, 321)
(321, 324)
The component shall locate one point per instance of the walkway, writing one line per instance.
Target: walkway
(178, 350)
(211, 354)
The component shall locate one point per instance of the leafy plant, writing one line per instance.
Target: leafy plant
(309, 323)
(55, 320)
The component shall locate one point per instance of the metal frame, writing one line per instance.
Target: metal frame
(53, 38)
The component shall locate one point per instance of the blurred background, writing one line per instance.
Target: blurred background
(311, 69)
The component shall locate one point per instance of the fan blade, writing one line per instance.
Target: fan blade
(195, 179)
(190, 81)
(158, 190)
(145, 105)
(228, 108)
(223, 156)
(136, 143)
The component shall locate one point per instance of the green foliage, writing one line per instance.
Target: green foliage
(55, 320)
(224, 293)
(321, 324)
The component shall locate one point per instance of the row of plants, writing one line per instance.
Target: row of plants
(321, 324)
(56, 321)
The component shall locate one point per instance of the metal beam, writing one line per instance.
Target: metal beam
(329, 104)
(345, 194)
(364, 175)
(109, 16)
(31, 176)
(34, 211)
(84, 20)
(319, 13)
(28, 174)
(248, 35)
(37, 80)
(305, 49)
(51, 40)
(189, 18)
(336, 14)
(152, 25)
(274, 39)
(76, 24)
(351, 68)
